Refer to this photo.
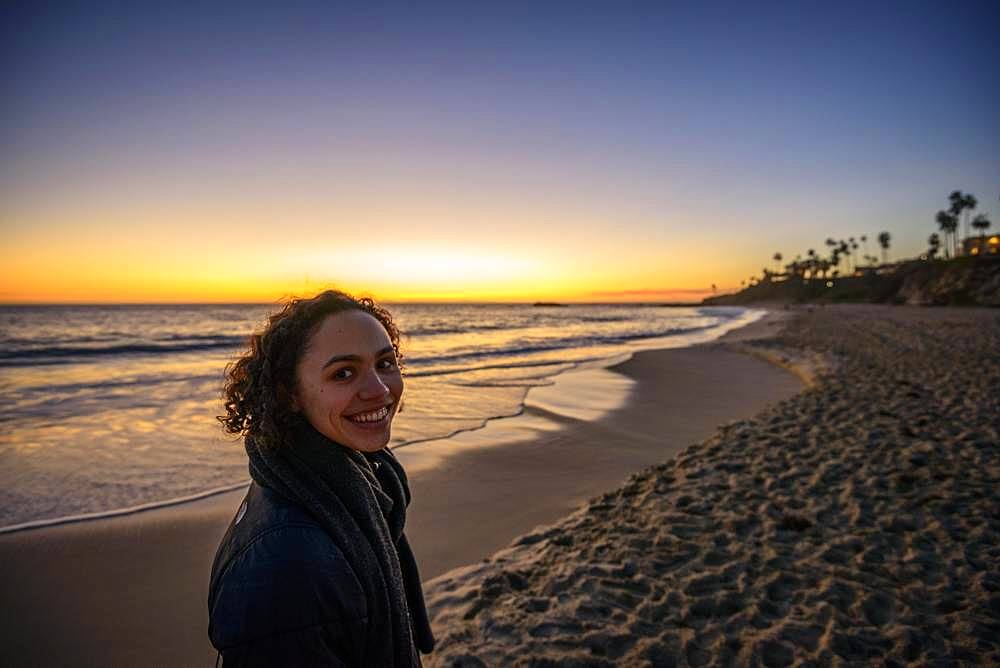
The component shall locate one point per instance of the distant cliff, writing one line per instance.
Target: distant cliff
(965, 281)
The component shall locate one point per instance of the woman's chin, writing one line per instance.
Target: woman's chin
(369, 442)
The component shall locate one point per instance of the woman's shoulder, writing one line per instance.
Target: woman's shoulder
(277, 570)
(264, 512)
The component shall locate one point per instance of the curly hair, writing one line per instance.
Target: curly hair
(259, 384)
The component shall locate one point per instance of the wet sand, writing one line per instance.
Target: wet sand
(132, 590)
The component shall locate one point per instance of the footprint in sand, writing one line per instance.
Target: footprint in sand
(774, 653)
(699, 586)
(556, 628)
(717, 557)
(801, 636)
(878, 609)
(782, 587)
(608, 644)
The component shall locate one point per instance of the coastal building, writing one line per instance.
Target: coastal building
(981, 245)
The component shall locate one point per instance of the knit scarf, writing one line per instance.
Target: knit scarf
(360, 499)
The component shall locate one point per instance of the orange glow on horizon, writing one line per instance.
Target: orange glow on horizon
(164, 263)
(67, 286)
(163, 268)
(237, 292)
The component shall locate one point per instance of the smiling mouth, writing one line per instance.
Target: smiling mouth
(371, 418)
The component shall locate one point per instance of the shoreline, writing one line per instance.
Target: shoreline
(143, 576)
(501, 428)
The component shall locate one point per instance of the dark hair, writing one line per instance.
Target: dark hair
(259, 384)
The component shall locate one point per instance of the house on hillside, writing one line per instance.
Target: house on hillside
(981, 245)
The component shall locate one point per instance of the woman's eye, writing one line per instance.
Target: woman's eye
(387, 363)
(342, 374)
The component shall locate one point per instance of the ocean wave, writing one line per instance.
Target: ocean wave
(200, 337)
(431, 330)
(54, 340)
(116, 383)
(447, 371)
(118, 512)
(76, 350)
(69, 354)
(604, 318)
(443, 365)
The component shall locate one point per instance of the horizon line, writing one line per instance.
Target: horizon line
(421, 302)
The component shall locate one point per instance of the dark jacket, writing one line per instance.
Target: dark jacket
(281, 592)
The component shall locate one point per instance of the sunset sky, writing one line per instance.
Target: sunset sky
(511, 152)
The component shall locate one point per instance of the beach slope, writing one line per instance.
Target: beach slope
(857, 522)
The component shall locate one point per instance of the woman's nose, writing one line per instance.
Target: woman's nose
(373, 387)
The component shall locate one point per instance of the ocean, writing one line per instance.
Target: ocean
(110, 408)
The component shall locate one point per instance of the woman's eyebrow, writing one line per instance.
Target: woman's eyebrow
(354, 358)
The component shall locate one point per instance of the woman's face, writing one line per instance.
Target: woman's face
(348, 381)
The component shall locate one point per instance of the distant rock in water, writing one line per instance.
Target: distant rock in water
(548, 304)
(964, 281)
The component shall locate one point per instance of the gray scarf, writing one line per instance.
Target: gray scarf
(360, 499)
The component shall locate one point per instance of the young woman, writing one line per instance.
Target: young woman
(314, 568)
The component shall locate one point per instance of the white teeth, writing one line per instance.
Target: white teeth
(371, 417)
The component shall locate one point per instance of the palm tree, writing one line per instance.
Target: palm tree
(845, 251)
(948, 223)
(883, 241)
(957, 200)
(981, 223)
(934, 241)
(854, 247)
(777, 260)
(864, 240)
(961, 202)
(969, 202)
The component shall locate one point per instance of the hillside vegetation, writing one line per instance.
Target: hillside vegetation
(963, 281)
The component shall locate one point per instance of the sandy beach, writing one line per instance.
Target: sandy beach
(131, 590)
(856, 523)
